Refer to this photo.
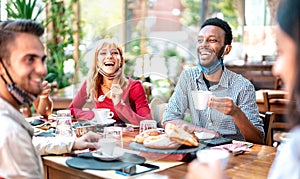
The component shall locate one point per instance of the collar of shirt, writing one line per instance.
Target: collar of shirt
(224, 81)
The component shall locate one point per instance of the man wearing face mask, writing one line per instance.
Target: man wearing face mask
(232, 112)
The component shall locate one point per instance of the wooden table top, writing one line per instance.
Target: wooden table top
(258, 161)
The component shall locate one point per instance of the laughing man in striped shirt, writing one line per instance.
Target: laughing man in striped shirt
(232, 112)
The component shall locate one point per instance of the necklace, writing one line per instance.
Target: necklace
(104, 86)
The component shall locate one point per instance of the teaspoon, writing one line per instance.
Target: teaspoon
(103, 96)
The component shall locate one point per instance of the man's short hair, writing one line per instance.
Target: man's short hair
(11, 28)
(223, 25)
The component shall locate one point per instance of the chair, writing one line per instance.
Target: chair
(148, 88)
(278, 84)
(275, 124)
(269, 97)
(158, 107)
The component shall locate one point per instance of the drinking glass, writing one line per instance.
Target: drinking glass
(147, 124)
(64, 123)
(114, 133)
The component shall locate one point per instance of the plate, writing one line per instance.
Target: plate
(106, 157)
(204, 135)
(117, 154)
(181, 150)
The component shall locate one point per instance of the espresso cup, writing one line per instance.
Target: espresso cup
(102, 114)
(201, 99)
(107, 146)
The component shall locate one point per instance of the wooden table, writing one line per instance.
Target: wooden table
(277, 106)
(253, 164)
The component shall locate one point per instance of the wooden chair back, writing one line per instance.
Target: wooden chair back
(268, 97)
(274, 123)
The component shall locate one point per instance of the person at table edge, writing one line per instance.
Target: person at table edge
(127, 101)
(232, 112)
(22, 71)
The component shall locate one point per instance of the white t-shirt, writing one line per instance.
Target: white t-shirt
(18, 157)
(287, 161)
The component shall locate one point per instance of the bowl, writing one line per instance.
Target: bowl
(81, 130)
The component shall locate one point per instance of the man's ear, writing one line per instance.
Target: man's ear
(227, 49)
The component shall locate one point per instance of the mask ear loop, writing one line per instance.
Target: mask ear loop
(11, 80)
(18, 94)
(225, 48)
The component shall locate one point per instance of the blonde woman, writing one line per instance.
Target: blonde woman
(127, 99)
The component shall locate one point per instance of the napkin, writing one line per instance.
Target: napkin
(235, 148)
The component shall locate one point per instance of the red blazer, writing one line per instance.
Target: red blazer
(132, 109)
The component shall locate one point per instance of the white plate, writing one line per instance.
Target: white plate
(204, 135)
(118, 152)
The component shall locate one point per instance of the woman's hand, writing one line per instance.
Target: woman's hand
(116, 93)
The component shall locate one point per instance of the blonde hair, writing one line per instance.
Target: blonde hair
(95, 79)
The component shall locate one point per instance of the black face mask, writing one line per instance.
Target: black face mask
(20, 95)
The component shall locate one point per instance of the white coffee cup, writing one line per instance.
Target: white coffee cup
(209, 156)
(102, 114)
(201, 99)
(107, 146)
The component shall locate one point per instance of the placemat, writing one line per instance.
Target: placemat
(163, 165)
(180, 150)
(87, 161)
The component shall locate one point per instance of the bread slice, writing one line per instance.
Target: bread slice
(160, 142)
(142, 136)
(180, 136)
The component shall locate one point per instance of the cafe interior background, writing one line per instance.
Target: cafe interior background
(158, 36)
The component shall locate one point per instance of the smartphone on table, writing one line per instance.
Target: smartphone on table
(217, 141)
(136, 169)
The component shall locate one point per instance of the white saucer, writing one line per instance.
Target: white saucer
(118, 152)
(108, 122)
(204, 135)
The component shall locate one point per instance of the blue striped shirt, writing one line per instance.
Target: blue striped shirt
(230, 85)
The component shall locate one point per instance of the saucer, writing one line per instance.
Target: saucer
(108, 122)
(102, 156)
(204, 135)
